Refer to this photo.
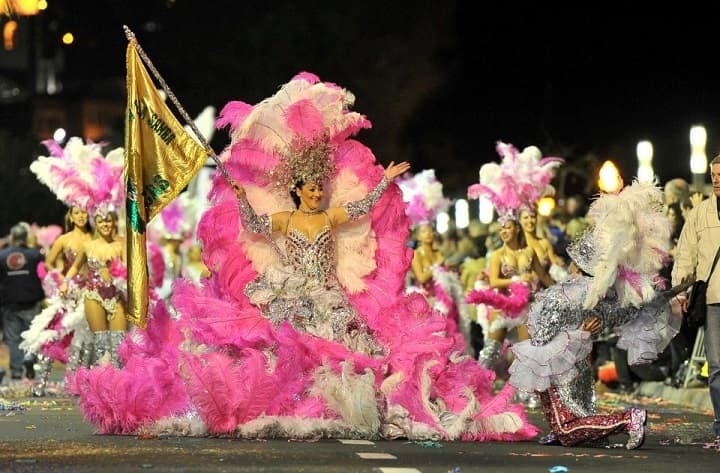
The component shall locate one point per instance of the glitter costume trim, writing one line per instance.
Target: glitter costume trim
(358, 208)
(262, 225)
(108, 293)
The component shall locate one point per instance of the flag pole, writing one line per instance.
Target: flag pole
(131, 37)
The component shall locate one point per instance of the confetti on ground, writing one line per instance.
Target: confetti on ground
(12, 406)
(714, 445)
(558, 469)
(427, 443)
(530, 454)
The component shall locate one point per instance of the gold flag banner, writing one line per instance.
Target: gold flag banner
(161, 158)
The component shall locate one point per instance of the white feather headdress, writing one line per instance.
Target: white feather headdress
(518, 182)
(626, 245)
(80, 176)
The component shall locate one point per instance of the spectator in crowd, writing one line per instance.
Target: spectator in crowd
(677, 191)
(21, 296)
(694, 255)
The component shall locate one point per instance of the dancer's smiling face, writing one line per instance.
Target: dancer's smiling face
(310, 195)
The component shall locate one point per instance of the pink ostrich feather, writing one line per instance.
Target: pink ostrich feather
(512, 302)
(232, 114)
(518, 181)
(303, 118)
(47, 235)
(237, 366)
(117, 268)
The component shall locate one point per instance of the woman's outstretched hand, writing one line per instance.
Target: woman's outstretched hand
(394, 170)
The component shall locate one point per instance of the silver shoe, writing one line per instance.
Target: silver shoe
(489, 353)
(636, 428)
(40, 385)
(533, 401)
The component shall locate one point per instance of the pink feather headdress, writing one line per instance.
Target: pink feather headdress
(176, 221)
(518, 182)
(46, 235)
(423, 194)
(80, 176)
(300, 126)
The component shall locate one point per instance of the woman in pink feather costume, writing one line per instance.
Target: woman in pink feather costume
(105, 291)
(85, 180)
(241, 361)
(59, 332)
(515, 274)
(440, 285)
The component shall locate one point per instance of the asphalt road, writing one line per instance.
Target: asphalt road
(49, 435)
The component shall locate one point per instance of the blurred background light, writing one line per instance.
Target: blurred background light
(609, 177)
(644, 151)
(485, 210)
(59, 135)
(462, 213)
(698, 159)
(546, 205)
(442, 223)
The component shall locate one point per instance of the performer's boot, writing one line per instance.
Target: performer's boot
(489, 353)
(41, 379)
(116, 338)
(636, 428)
(101, 345)
(73, 357)
(87, 352)
(531, 400)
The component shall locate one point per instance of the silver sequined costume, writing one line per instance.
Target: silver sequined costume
(554, 361)
(556, 353)
(304, 290)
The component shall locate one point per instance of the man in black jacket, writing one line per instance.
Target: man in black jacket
(21, 295)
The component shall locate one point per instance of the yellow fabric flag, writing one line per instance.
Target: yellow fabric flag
(160, 160)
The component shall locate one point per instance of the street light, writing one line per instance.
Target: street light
(462, 213)
(442, 223)
(645, 173)
(698, 158)
(546, 205)
(609, 178)
(486, 212)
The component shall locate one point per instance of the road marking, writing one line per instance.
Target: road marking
(399, 470)
(376, 456)
(356, 442)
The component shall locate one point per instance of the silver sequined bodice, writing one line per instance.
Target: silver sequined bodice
(314, 258)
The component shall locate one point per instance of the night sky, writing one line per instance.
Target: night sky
(441, 81)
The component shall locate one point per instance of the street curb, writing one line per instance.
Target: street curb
(691, 397)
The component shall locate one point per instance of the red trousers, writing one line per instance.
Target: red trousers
(571, 429)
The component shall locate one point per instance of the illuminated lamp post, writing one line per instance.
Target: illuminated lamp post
(462, 213)
(545, 206)
(698, 158)
(609, 179)
(645, 173)
(22, 7)
(442, 223)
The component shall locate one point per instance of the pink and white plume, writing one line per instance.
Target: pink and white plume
(517, 182)
(423, 194)
(81, 176)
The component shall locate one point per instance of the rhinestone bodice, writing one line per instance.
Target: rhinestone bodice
(313, 257)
